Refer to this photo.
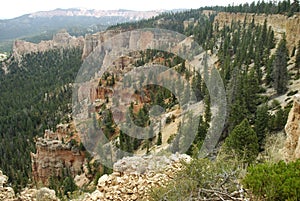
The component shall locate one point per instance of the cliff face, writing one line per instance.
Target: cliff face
(280, 24)
(291, 150)
(60, 40)
(93, 40)
(53, 155)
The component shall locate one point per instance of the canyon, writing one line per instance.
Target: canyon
(132, 177)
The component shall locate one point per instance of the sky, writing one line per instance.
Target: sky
(15, 8)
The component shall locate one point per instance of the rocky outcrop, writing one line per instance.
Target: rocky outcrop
(188, 23)
(280, 24)
(43, 194)
(56, 151)
(8, 194)
(93, 40)
(134, 176)
(291, 150)
(2, 57)
(60, 40)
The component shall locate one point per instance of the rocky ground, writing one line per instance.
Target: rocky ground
(133, 177)
(8, 194)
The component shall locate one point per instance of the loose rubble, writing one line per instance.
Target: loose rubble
(133, 177)
(8, 194)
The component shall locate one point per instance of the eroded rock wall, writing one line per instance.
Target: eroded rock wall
(54, 154)
(291, 150)
(91, 41)
(280, 24)
(60, 40)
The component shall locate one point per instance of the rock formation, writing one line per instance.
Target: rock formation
(93, 40)
(291, 150)
(55, 152)
(43, 194)
(280, 24)
(134, 176)
(8, 194)
(60, 40)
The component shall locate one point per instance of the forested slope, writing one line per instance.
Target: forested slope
(35, 95)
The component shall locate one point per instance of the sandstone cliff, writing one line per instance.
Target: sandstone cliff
(291, 150)
(56, 152)
(280, 24)
(91, 41)
(60, 40)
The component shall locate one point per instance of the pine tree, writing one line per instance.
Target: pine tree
(159, 139)
(202, 130)
(251, 88)
(243, 142)
(197, 86)
(207, 112)
(238, 112)
(279, 73)
(261, 124)
(269, 70)
(69, 185)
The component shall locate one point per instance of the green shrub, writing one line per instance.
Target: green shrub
(243, 142)
(275, 104)
(279, 181)
(201, 179)
(169, 119)
(291, 93)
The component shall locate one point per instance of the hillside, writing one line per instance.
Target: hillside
(222, 83)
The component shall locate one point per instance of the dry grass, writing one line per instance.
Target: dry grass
(273, 148)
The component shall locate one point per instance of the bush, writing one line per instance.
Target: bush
(291, 93)
(243, 142)
(169, 119)
(275, 104)
(201, 179)
(279, 181)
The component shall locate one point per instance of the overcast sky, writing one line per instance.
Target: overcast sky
(14, 8)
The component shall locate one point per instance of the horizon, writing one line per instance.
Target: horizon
(10, 11)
